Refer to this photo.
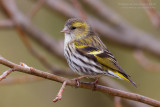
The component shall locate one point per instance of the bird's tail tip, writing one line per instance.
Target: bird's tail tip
(133, 83)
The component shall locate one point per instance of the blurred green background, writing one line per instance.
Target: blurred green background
(41, 93)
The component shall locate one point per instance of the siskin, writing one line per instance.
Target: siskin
(87, 55)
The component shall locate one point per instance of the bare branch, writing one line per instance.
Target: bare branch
(103, 89)
(59, 95)
(111, 82)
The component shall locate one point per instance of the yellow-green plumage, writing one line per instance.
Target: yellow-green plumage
(86, 54)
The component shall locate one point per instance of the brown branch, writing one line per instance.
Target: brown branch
(145, 63)
(6, 23)
(152, 13)
(78, 7)
(36, 7)
(103, 89)
(117, 102)
(111, 82)
(59, 95)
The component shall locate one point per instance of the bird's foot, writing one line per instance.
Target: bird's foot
(78, 80)
(94, 83)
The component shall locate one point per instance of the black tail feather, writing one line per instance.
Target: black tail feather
(133, 83)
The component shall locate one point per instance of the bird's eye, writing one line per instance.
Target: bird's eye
(72, 28)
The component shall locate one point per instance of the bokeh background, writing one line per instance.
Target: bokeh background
(41, 93)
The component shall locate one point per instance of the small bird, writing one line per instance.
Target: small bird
(87, 55)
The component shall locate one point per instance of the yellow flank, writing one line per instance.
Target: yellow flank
(116, 72)
(95, 52)
(106, 62)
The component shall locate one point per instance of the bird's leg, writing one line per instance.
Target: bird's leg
(59, 95)
(95, 83)
(78, 79)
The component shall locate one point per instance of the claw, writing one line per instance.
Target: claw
(95, 83)
(78, 80)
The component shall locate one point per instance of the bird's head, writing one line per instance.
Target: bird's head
(77, 28)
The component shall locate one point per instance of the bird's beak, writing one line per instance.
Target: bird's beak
(65, 30)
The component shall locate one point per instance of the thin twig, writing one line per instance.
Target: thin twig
(5, 74)
(103, 89)
(117, 101)
(59, 95)
(145, 63)
(36, 7)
